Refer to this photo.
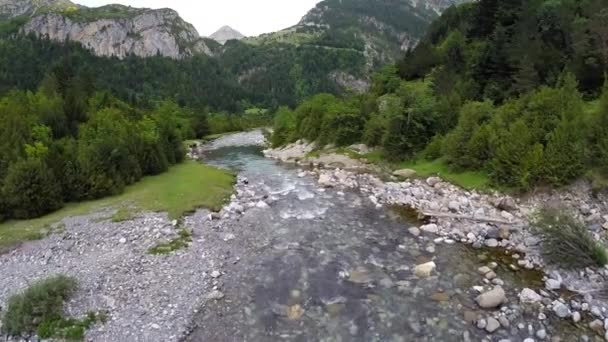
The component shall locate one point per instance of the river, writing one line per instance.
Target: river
(328, 265)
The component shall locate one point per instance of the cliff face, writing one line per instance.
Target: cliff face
(145, 34)
(112, 30)
(14, 8)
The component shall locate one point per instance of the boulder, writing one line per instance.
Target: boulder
(430, 228)
(404, 173)
(492, 325)
(425, 270)
(529, 296)
(492, 299)
(432, 181)
(326, 180)
(561, 309)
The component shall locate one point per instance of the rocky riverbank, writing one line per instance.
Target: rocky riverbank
(485, 221)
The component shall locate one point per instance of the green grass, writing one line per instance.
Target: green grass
(470, 180)
(124, 214)
(181, 190)
(39, 309)
(180, 242)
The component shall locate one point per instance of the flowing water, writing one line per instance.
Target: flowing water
(326, 265)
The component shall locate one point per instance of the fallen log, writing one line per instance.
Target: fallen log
(471, 218)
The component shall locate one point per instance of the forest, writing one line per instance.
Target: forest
(68, 142)
(465, 96)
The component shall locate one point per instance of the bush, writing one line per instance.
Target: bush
(38, 306)
(284, 127)
(566, 241)
(31, 190)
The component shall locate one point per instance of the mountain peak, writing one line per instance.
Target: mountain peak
(226, 33)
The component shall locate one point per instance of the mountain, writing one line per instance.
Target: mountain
(225, 34)
(14, 8)
(112, 30)
(335, 48)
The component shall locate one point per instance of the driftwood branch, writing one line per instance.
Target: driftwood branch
(470, 218)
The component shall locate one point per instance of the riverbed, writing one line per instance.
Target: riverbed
(308, 263)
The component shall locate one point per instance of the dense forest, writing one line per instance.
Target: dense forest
(465, 95)
(68, 142)
(246, 75)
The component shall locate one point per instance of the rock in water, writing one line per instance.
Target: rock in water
(217, 295)
(561, 309)
(492, 299)
(425, 270)
(404, 173)
(528, 296)
(492, 325)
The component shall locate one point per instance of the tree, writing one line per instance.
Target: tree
(564, 155)
(284, 127)
(30, 189)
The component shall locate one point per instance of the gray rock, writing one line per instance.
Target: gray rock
(492, 243)
(553, 284)
(404, 173)
(561, 309)
(430, 228)
(432, 181)
(414, 231)
(492, 299)
(492, 325)
(529, 296)
(454, 206)
(215, 295)
(541, 334)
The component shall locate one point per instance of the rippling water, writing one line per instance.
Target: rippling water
(326, 265)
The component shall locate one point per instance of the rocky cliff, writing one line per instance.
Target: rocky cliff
(14, 8)
(112, 30)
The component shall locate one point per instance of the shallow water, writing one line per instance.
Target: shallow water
(326, 265)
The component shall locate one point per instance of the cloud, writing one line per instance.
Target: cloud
(250, 17)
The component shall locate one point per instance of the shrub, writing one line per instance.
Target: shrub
(566, 241)
(31, 190)
(284, 127)
(39, 306)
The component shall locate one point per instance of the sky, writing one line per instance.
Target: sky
(250, 17)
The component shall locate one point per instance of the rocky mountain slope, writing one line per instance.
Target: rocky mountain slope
(112, 30)
(225, 34)
(14, 8)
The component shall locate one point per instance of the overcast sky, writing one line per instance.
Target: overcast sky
(250, 17)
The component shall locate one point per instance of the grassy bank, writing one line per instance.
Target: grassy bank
(470, 180)
(182, 189)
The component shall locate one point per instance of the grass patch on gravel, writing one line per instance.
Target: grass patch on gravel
(469, 180)
(39, 310)
(124, 214)
(181, 190)
(182, 241)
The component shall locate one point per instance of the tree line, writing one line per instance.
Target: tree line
(466, 96)
(67, 142)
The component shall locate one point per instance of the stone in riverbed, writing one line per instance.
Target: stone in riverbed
(217, 295)
(562, 310)
(492, 243)
(404, 173)
(425, 270)
(414, 231)
(529, 296)
(492, 325)
(432, 181)
(430, 228)
(492, 299)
